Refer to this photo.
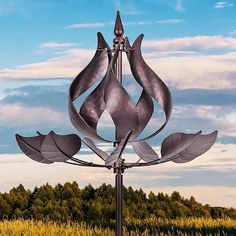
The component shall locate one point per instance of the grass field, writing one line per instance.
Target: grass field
(192, 226)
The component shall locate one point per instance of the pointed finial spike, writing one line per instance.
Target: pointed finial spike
(118, 29)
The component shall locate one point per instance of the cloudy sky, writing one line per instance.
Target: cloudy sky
(190, 44)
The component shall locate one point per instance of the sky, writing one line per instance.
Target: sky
(190, 44)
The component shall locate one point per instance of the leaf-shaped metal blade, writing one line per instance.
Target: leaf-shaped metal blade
(94, 105)
(180, 147)
(96, 150)
(83, 82)
(149, 81)
(80, 124)
(201, 145)
(89, 75)
(144, 106)
(144, 109)
(59, 148)
(145, 151)
(116, 154)
(31, 147)
(119, 104)
(177, 141)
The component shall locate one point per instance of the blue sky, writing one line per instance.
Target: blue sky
(190, 44)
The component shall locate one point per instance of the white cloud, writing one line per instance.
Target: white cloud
(169, 21)
(49, 45)
(90, 25)
(16, 114)
(195, 43)
(210, 71)
(69, 64)
(178, 68)
(223, 4)
(207, 118)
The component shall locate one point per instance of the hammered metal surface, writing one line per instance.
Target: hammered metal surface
(144, 106)
(82, 83)
(49, 148)
(145, 151)
(201, 145)
(150, 82)
(31, 146)
(59, 148)
(119, 104)
(129, 119)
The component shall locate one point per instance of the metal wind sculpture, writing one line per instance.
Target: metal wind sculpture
(129, 119)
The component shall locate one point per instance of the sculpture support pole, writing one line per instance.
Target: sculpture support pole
(118, 168)
(119, 202)
(177, 147)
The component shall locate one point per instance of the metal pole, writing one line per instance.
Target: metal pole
(118, 168)
(119, 202)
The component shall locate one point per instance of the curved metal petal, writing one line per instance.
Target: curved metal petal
(202, 144)
(128, 47)
(89, 75)
(149, 81)
(58, 148)
(145, 151)
(103, 155)
(116, 154)
(80, 124)
(144, 106)
(180, 147)
(176, 143)
(31, 147)
(144, 109)
(119, 104)
(94, 105)
(81, 83)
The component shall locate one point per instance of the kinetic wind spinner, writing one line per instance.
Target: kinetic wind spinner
(129, 118)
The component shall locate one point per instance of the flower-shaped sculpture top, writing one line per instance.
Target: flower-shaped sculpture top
(129, 118)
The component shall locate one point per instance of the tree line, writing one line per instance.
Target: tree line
(69, 202)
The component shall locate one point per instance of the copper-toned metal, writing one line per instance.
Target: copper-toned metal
(201, 144)
(83, 82)
(177, 143)
(149, 81)
(116, 154)
(50, 148)
(88, 76)
(145, 151)
(89, 142)
(144, 106)
(31, 146)
(118, 29)
(94, 105)
(110, 95)
(129, 119)
(119, 104)
(59, 148)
